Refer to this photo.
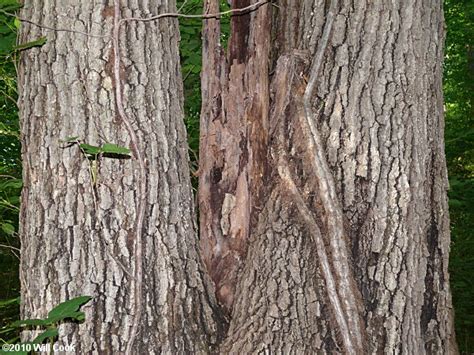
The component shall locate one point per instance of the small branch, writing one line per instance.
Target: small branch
(9, 247)
(12, 249)
(189, 73)
(240, 11)
(9, 97)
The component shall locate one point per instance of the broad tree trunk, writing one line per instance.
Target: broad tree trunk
(79, 235)
(349, 252)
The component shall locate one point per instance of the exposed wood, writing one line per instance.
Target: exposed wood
(234, 134)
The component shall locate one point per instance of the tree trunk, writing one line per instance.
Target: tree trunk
(126, 237)
(349, 252)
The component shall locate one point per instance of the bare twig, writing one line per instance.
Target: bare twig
(240, 11)
(13, 250)
(9, 247)
(188, 73)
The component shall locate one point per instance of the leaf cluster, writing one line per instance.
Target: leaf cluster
(459, 104)
(65, 311)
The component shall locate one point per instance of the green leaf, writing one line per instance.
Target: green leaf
(68, 309)
(39, 42)
(29, 322)
(8, 228)
(90, 149)
(115, 149)
(7, 42)
(17, 23)
(49, 333)
(9, 5)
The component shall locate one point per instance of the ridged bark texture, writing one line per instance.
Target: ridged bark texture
(78, 235)
(378, 108)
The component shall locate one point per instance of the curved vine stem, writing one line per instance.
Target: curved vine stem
(344, 302)
(137, 280)
(240, 11)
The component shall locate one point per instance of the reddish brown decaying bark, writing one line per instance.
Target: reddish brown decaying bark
(233, 141)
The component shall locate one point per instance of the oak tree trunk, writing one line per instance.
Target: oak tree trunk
(324, 221)
(324, 216)
(79, 232)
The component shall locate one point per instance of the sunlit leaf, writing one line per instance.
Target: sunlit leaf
(115, 149)
(68, 310)
(8, 228)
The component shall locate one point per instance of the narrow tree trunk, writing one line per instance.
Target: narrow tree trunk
(350, 252)
(79, 234)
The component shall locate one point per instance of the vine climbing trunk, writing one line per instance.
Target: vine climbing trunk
(324, 217)
(127, 237)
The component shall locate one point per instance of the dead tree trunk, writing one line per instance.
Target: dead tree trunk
(82, 235)
(324, 217)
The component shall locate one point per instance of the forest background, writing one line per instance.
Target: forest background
(459, 135)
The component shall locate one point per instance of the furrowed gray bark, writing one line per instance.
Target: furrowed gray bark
(73, 246)
(377, 107)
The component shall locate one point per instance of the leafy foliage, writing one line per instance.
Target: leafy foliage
(459, 104)
(10, 169)
(65, 311)
(68, 310)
